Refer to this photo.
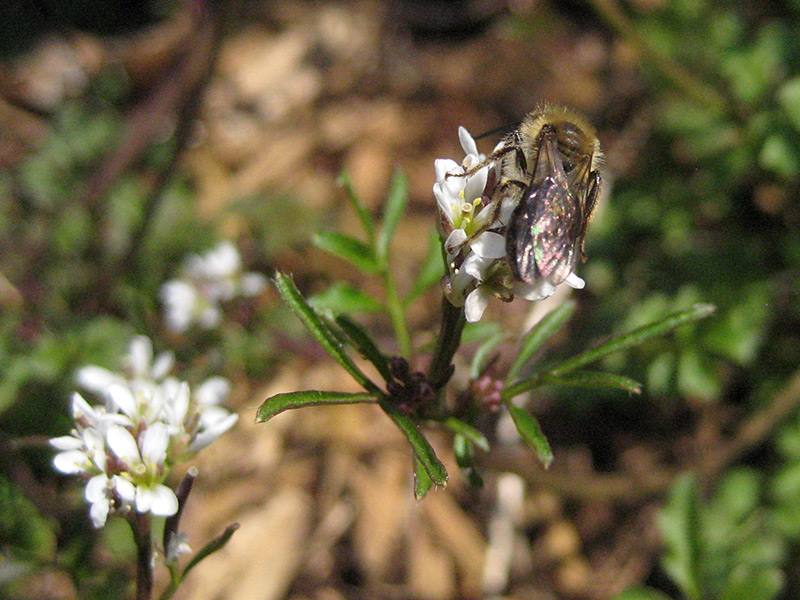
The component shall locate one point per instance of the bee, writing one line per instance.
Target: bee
(549, 168)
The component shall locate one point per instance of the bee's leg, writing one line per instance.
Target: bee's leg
(588, 210)
(485, 162)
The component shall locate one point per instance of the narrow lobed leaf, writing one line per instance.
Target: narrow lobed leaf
(282, 402)
(354, 251)
(528, 428)
(468, 432)
(392, 213)
(363, 214)
(365, 346)
(342, 297)
(538, 335)
(319, 330)
(594, 379)
(421, 447)
(636, 337)
(422, 481)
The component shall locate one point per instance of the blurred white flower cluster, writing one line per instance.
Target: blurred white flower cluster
(475, 243)
(149, 422)
(205, 282)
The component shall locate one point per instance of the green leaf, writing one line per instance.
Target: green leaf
(636, 337)
(642, 594)
(342, 297)
(282, 402)
(422, 481)
(680, 528)
(594, 379)
(757, 583)
(365, 346)
(538, 334)
(392, 212)
(431, 271)
(468, 432)
(319, 330)
(529, 429)
(348, 248)
(363, 214)
(422, 449)
(465, 458)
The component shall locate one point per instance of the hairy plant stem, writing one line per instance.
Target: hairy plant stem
(141, 525)
(447, 344)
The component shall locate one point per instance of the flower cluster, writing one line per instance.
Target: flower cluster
(205, 282)
(149, 422)
(473, 226)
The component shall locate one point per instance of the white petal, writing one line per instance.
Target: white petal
(252, 284)
(213, 391)
(455, 239)
(177, 405)
(95, 379)
(443, 166)
(476, 304)
(206, 437)
(180, 299)
(71, 462)
(155, 442)
(476, 266)
(489, 245)
(144, 499)
(97, 488)
(123, 444)
(574, 281)
(162, 365)
(66, 442)
(140, 356)
(535, 291)
(210, 317)
(122, 399)
(99, 512)
(467, 142)
(125, 489)
(475, 184)
(164, 501)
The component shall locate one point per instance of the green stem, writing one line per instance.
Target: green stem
(447, 344)
(396, 313)
(611, 12)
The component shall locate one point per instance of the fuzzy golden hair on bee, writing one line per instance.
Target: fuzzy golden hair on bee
(548, 171)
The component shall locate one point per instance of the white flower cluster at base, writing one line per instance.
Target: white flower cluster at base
(150, 421)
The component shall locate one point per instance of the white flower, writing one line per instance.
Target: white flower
(473, 228)
(145, 467)
(204, 283)
(150, 421)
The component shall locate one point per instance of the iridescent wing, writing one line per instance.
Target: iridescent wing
(544, 234)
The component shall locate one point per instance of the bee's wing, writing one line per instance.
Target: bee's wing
(543, 234)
